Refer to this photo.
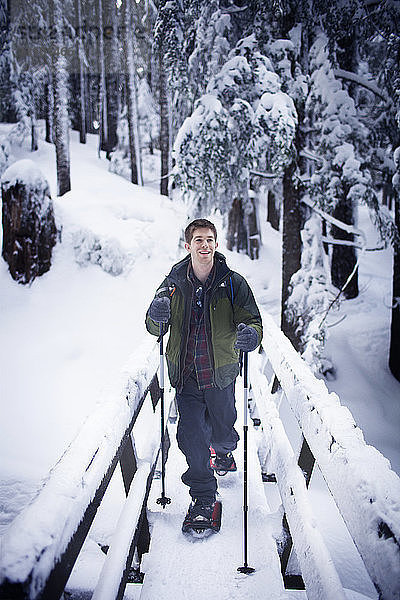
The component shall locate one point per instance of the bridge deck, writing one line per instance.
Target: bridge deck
(179, 568)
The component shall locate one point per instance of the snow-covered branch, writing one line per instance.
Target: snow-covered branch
(367, 83)
(311, 155)
(340, 224)
(265, 175)
(233, 9)
(333, 241)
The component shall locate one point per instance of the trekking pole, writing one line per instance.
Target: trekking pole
(163, 500)
(245, 568)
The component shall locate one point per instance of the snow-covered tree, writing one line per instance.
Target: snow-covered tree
(308, 303)
(149, 118)
(341, 143)
(211, 45)
(251, 126)
(201, 151)
(170, 70)
(28, 69)
(120, 162)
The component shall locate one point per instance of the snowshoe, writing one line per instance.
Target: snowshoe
(203, 518)
(223, 463)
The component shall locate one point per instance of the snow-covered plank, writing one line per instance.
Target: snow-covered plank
(115, 562)
(40, 534)
(317, 568)
(365, 489)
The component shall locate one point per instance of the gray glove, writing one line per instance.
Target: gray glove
(247, 338)
(160, 309)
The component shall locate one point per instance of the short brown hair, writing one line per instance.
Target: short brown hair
(199, 224)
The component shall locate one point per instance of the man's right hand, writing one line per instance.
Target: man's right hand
(160, 310)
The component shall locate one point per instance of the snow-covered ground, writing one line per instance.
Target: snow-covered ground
(64, 339)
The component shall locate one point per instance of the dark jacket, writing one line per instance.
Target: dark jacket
(227, 303)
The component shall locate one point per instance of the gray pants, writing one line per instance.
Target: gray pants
(206, 417)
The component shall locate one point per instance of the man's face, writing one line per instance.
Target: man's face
(202, 247)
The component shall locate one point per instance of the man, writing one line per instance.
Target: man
(212, 315)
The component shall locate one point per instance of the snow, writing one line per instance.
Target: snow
(24, 171)
(64, 355)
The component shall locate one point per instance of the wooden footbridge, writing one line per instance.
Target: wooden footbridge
(149, 558)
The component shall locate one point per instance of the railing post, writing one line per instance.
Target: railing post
(306, 463)
(128, 463)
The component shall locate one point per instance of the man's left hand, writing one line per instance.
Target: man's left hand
(247, 338)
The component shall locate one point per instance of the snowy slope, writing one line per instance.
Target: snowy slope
(64, 339)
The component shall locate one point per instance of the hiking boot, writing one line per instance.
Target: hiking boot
(201, 509)
(224, 462)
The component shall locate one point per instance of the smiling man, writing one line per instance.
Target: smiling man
(212, 315)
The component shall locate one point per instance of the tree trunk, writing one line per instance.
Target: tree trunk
(291, 246)
(130, 89)
(34, 134)
(61, 119)
(273, 211)
(49, 109)
(236, 236)
(252, 223)
(103, 144)
(112, 69)
(80, 57)
(164, 127)
(29, 230)
(344, 258)
(394, 352)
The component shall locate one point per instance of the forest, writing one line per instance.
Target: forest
(293, 104)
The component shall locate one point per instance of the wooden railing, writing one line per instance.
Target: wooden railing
(359, 478)
(41, 546)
